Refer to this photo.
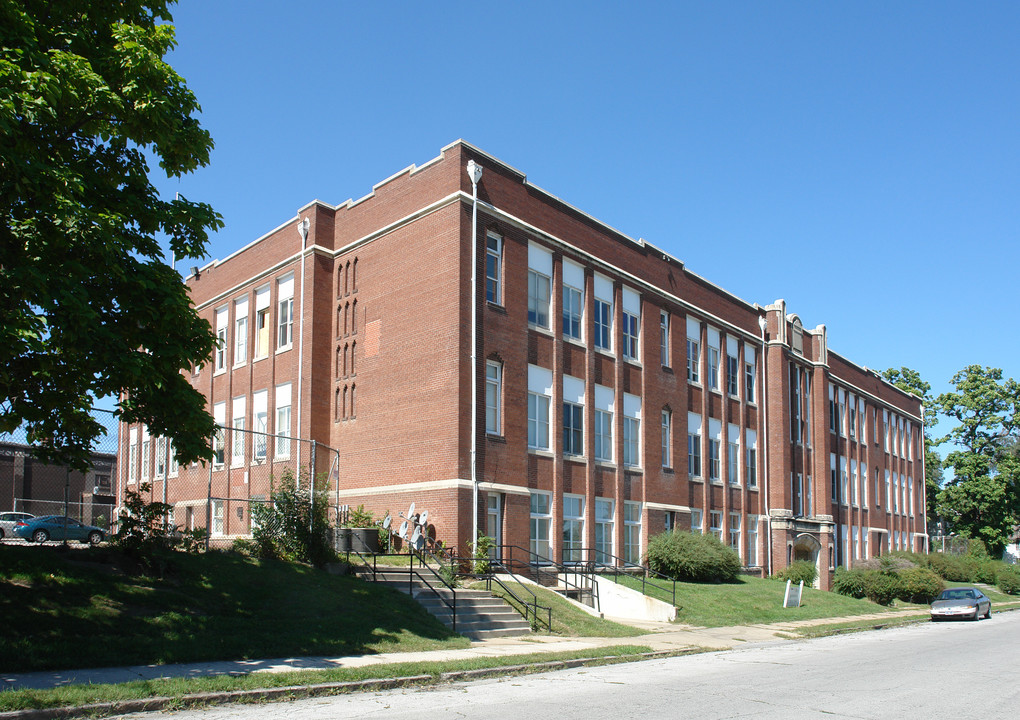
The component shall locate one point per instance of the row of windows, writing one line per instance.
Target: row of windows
(158, 459)
(738, 446)
(284, 324)
(573, 530)
(848, 417)
(858, 537)
(849, 487)
(718, 375)
(732, 532)
(259, 430)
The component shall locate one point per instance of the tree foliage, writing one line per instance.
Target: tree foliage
(88, 307)
(982, 499)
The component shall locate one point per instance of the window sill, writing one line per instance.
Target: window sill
(634, 469)
(667, 369)
(541, 330)
(633, 361)
(699, 480)
(668, 470)
(695, 383)
(237, 366)
(221, 371)
(284, 349)
(604, 351)
(575, 458)
(495, 307)
(540, 452)
(607, 464)
(495, 437)
(260, 357)
(577, 342)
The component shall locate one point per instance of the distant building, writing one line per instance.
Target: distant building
(618, 394)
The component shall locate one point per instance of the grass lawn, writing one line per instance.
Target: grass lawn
(750, 601)
(76, 608)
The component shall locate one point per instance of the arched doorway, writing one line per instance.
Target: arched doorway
(806, 548)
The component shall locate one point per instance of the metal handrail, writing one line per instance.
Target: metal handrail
(584, 584)
(528, 609)
(620, 567)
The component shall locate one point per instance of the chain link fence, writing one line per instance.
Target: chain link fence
(28, 484)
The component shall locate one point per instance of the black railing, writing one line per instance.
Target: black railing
(530, 610)
(613, 567)
(525, 562)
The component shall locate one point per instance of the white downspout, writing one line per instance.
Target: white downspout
(303, 231)
(475, 173)
(763, 323)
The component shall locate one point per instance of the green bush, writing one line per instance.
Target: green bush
(798, 571)
(880, 587)
(294, 526)
(1009, 580)
(849, 582)
(953, 568)
(919, 585)
(976, 549)
(987, 571)
(692, 557)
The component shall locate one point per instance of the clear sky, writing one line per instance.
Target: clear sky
(860, 160)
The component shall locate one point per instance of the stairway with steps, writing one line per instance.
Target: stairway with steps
(479, 614)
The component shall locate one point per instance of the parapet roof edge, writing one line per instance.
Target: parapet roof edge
(278, 228)
(865, 369)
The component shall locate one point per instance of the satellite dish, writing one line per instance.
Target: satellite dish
(419, 543)
(403, 529)
(386, 523)
(424, 517)
(410, 510)
(416, 536)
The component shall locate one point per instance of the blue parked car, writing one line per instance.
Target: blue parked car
(57, 527)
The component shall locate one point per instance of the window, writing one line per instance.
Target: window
(631, 324)
(631, 430)
(573, 429)
(693, 446)
(282, 428)
(844, 482)
(714, 449)
(888, 493)
(664, 338)
(539, 392)
(539, 272)
(160, 457)
(604, 542)
(632, 532)
(853, 418)
(833, 477)
(854, 487)
(693, 351)
(261, 322)
(573, 528)
(237, 432)
(713, 358)
(752, 541)
(667, 421)
(878, 488)
(715, 527)
(493, 397)
(541, 520)
(841, 419)
(864, 485)
(751, 455)
(171, 458)
(260, 416)
(795, 405)
(240, 331)
(749, 374)
(220, 418)
(733, 455)
(573, 299)
(603, 313)
(797, 493)
(133, 457)
(493, 265)
(220, 358)
(735, 533)
(146, 445)
(604, 399)
(696, 522)
(285, 312)
(217, 517)
(832, 409)
(732, 366)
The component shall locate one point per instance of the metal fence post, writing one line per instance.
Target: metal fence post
(311, 490)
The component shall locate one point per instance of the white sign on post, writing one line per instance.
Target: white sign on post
(793, 594)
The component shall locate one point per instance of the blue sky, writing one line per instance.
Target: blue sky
(860, 160)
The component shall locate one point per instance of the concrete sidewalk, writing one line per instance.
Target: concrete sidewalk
(660, 637)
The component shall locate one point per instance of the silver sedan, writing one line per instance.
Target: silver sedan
(968, 602)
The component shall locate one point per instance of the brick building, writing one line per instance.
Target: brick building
(618, 393)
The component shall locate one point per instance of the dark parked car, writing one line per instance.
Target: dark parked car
(7, 521)
(57, 527)
(965, 602)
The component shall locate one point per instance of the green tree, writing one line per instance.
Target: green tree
(910, 381)
(982, 499)
(88, 306)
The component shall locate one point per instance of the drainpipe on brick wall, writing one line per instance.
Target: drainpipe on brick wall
(763, 323)
(303, 231)
(475, 173)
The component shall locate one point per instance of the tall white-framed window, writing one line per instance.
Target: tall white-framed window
(732, 366)
(842, 412)
(795, 405)
(219, 435)
(878, 488)
(833, 420)
(844, 485)
(807, 408)
(604, 539)
(133, 455)
(237, 432)
(573, 300)
(834, 477)
(693, 351)
(910, 498)
(605, 399)
(852, 417)
(603, 307)
(632, 532)
(174, 466)
(864, 485)
(539, 284)
(693, 446)
(854, 487)
(146, 450)
(734, 534)
(750, 375)
(285, 312)
(573, 528)
(751, 456)
(573, 416)
(493, 397)
(697, 522)
(493, 267)
(667, 435)
(856, 535)
(262, 322)
(539, 393)
(541, 522)
(240, 331)
(220, 355)
(714, 341)
(733, 454)
(631, 325)
(260, 419)
(160, 457)
(664, 338)
(797, 491)
(715, 523)
(752, 541)
(217, 518)
(714, 450)
(631, 430)
(282, 429)
(888, 492)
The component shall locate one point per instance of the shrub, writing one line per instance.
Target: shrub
(880, 587)
(293, 526)
(798, 571)
(988, 571)
(976, 549)
(849, 582)
(692, 557)
(1009, 580)
(953, 568)
(919, 585)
